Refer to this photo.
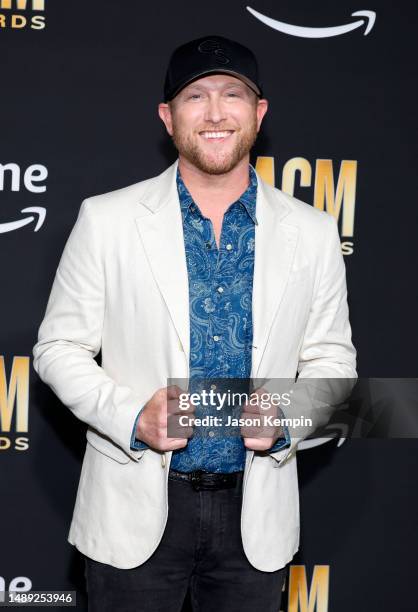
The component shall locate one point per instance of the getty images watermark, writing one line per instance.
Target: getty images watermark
(227, 400)
(230, 407)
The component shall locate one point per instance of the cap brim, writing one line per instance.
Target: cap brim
(239, 76)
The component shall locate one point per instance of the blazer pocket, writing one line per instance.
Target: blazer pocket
(106, 446)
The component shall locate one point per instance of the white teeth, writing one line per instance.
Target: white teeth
(215, 134)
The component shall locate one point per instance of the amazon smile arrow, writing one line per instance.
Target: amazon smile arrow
(14, 225)
(306, 32)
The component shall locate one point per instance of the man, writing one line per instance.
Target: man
(202, 272)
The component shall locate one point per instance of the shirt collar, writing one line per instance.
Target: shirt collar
(248, 198)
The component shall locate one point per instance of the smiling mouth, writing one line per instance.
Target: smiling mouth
(216, 136)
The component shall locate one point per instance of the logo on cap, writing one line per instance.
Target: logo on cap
(213, 47)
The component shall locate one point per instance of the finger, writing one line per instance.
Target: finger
(176, 430)
(248, 431)
(259, 444)
(174, 391)
(174, 407)
(188, 432)
(251, 409)
(175, 443)
(258, 391)
(251, 443)
(251, 418)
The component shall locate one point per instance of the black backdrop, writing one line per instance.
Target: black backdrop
(79, 88)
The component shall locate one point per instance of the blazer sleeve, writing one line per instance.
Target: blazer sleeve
(135, 443)
(69, 338)
(327, 357)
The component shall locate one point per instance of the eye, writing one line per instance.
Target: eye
(233, 94)
(194, 96)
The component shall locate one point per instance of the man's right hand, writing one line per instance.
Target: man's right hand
(152, 423)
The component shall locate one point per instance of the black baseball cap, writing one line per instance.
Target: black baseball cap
(210, 55)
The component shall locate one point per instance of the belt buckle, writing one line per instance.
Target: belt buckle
(195, 479)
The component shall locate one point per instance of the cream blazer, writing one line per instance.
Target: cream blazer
(121, 286)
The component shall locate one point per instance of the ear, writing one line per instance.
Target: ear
(164, 112)
(262, 106)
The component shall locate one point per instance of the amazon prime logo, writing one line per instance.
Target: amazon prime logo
(32, 178)
(213, 47)
(369, 17)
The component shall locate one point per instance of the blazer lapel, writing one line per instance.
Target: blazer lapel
(275, 244)
(161, 231)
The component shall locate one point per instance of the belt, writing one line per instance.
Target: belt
(208, 481)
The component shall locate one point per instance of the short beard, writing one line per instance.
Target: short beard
(215, 165)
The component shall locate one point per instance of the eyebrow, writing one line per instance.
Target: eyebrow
(230, 84)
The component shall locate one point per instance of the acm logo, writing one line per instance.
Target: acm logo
(14, 405)
(19, 21)
(337, 197)
(301, 598)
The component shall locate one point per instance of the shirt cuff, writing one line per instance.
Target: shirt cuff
(137, 444)
(281, 442)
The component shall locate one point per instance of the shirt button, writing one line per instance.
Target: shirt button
(208, 246)
(213, 387)
(211, 433)
(216, 338)
(220, 289)
(228, 246)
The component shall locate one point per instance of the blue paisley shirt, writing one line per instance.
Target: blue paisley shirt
(221, 328)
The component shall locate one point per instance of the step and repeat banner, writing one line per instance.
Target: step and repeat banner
(79, 89)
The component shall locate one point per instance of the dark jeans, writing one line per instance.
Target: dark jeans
(202, 549)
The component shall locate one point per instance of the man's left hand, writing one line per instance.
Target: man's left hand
(260, 435)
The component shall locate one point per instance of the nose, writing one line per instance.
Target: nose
(215, 111)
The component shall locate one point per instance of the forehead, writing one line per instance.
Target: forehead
(216, 81)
